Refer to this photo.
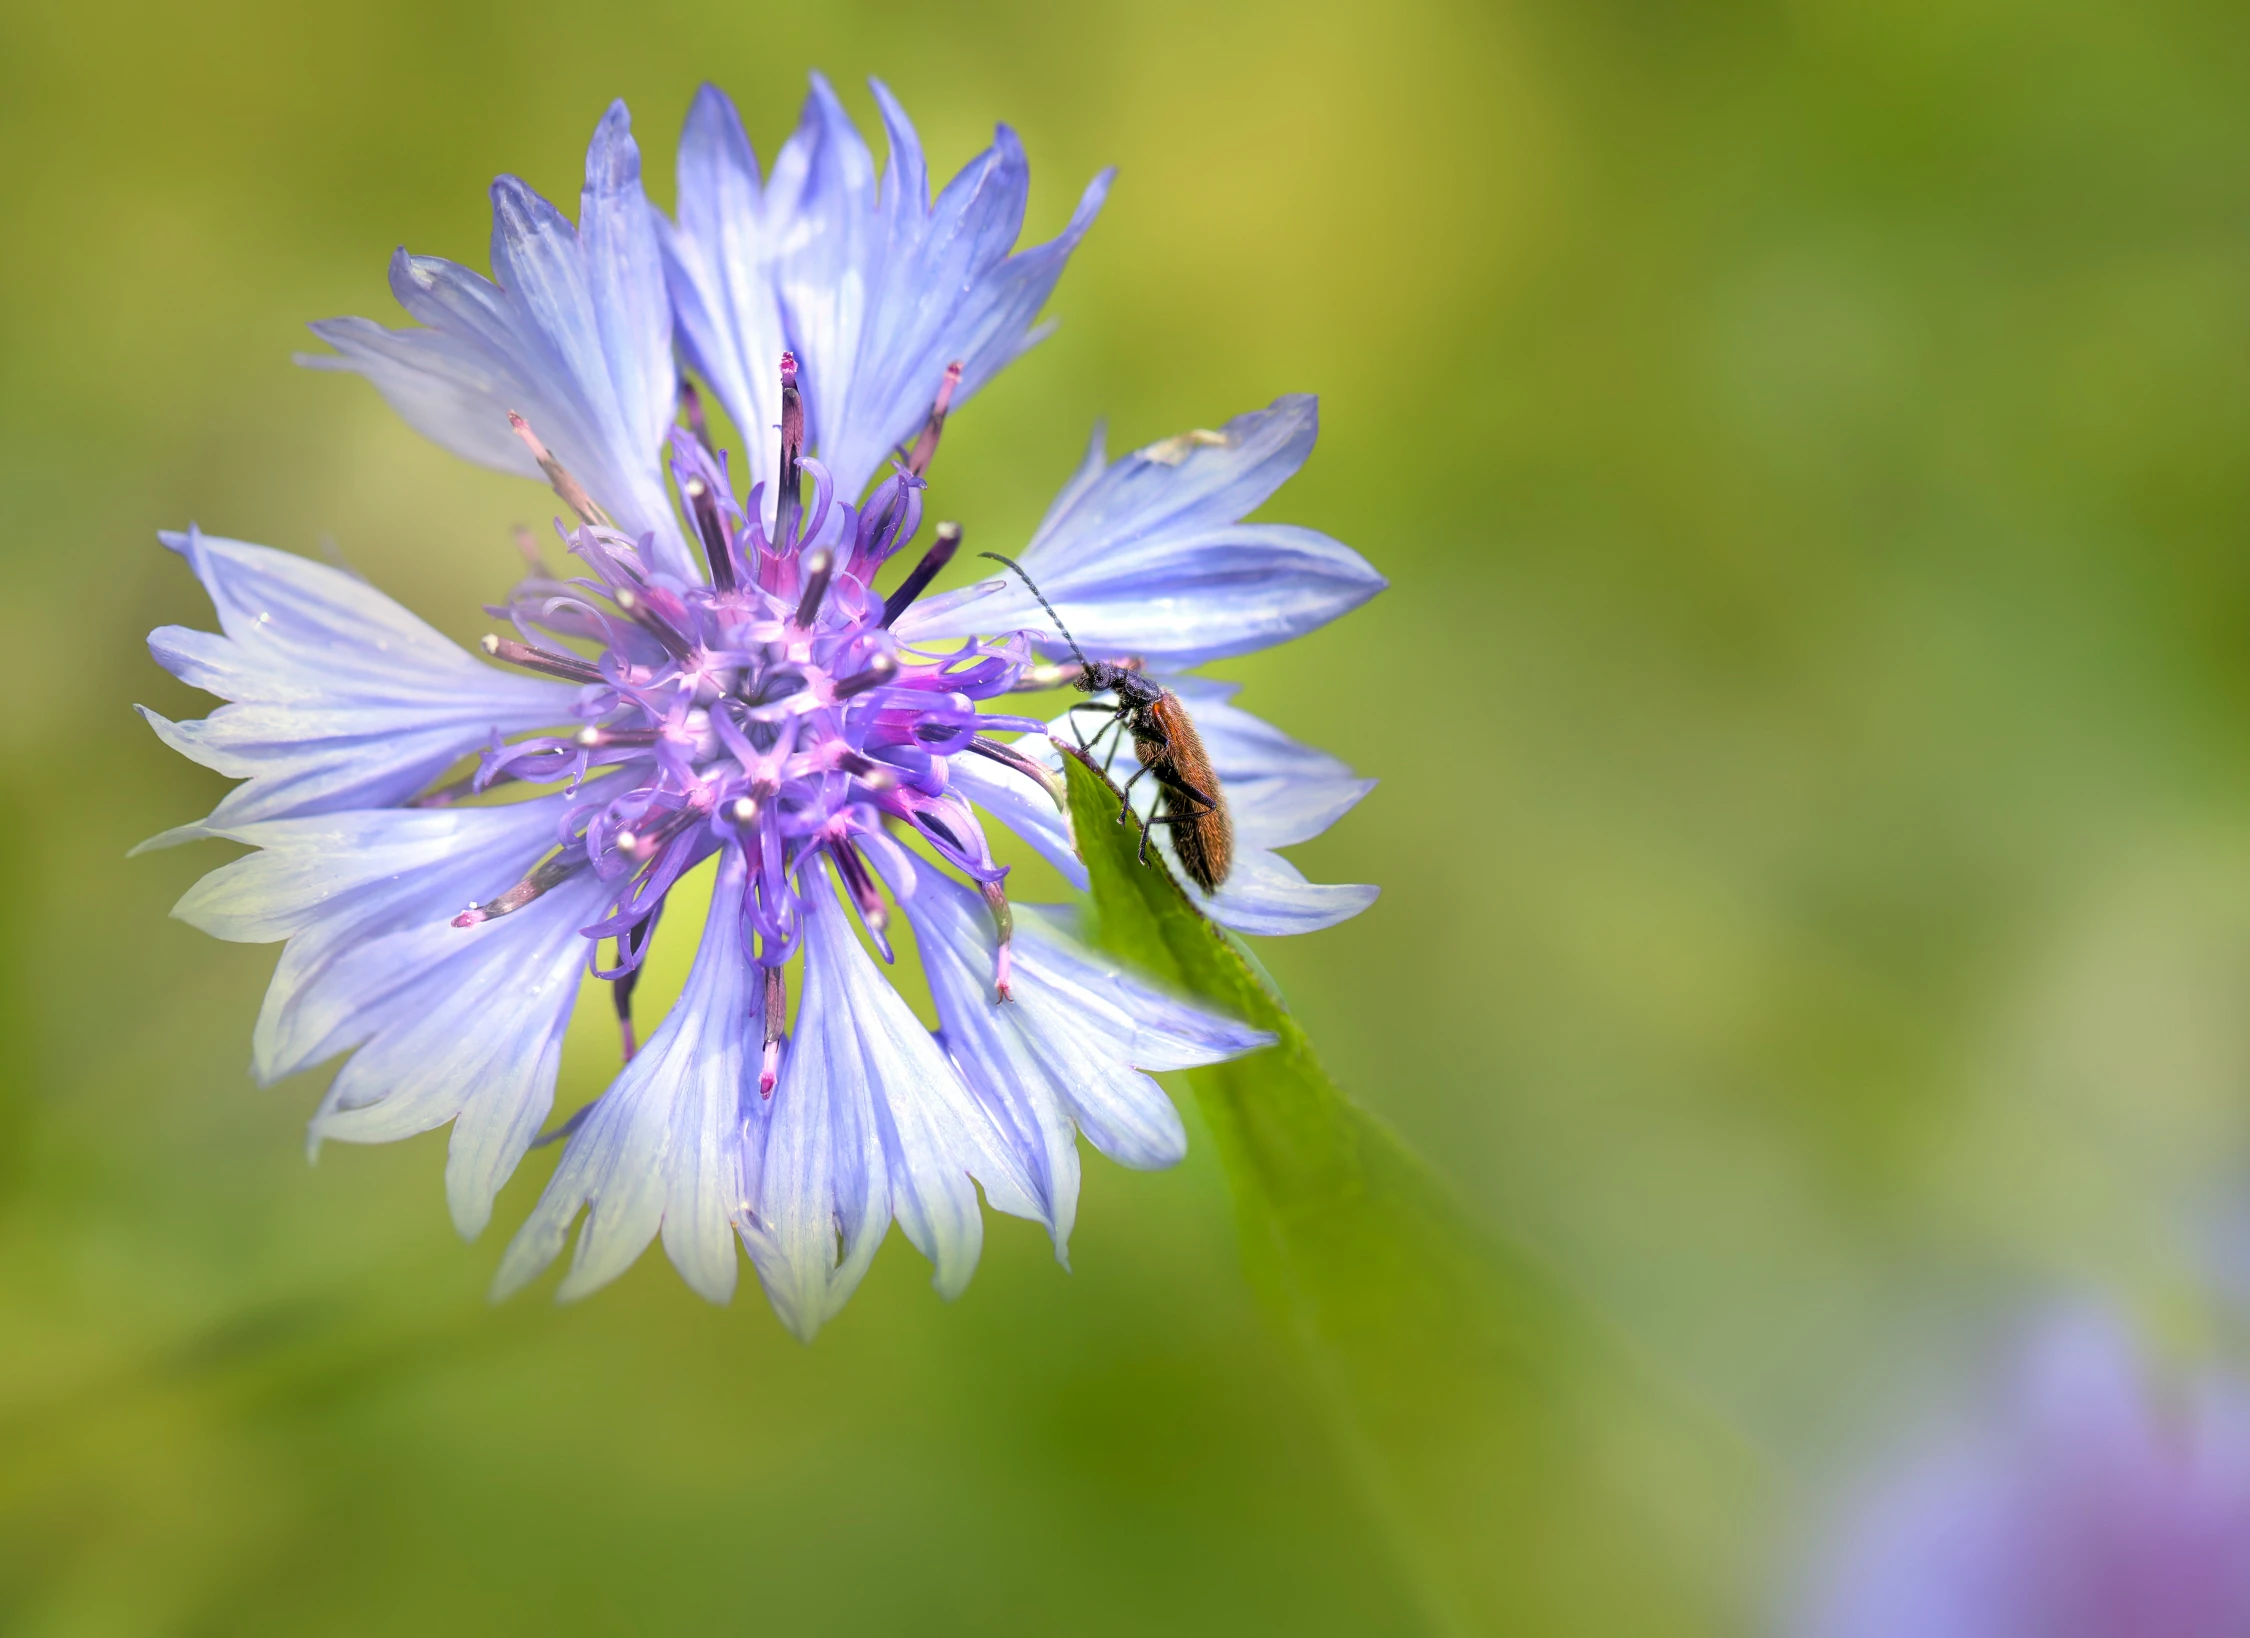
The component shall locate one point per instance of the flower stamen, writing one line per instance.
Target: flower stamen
(1004, 923)
(711, 529)
(925, 446)
(552, 872)
(788, 485)
(918, 578)
(777, 1019)
(1009, 757)
(819, 567)
(881, 668)
(573, 492)
(569, 667)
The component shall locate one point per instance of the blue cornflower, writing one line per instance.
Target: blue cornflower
(2086, 1504)
(717, 676)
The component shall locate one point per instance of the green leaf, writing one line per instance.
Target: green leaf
(1529, 1476)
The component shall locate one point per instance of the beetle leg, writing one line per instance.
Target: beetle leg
(1125, 797)
(1175, 785)
(1071, 716)
(1174, 819)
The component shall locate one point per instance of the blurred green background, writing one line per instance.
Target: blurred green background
(1813, 704)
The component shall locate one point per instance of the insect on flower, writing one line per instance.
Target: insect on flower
(713, 703)
(1165, 741)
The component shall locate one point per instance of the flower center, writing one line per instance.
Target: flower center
(770, 711)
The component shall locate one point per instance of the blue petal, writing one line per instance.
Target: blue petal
(1021, 804)
(461, 1024)
(1150, 558)
(880, 287)
(1191, 483)
(1091, 466)
(576, 335)
(1072, 1042)
(1023, 1089)
(374, 870)
(625, 274)
(662, 1150)
(1265, 893)
(818, 1185)
(365, 900)
(869, 1119)
(719, 264)
(475, 1038)
(340, 698)
(1167, 1032)
(936, 1136)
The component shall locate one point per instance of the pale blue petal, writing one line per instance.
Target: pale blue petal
(625, 275)
(1277, 812)
(195, 831)
(339, 698)
(878, 287)
(820, 1199)
(995, 324)
(459, 1024)
(827, 270)
(449, 389)
(1076, 1000)
(661, 1151)
(474, 1037)
(1023, 1088)
(1072, 1042)
(1189, 484)
(376, 869)
(1151, 559)
(941, 616)
(719, 264)
(1022, 804)
(900, 1124)
(1178, 600)
(1265, 893)
(936, 1137)
(1166, 1031)
(573, 331)
(1091, 466)
(363, 923)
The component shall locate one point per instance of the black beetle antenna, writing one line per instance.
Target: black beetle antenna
(1043, 603)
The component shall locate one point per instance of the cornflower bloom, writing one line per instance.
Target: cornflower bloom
(2089, 1506)
(719, 678)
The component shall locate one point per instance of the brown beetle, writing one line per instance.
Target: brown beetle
(1188, 797)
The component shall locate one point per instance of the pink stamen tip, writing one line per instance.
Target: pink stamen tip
(947, 386)
(789, 369)
(573, 493)
(769, 1069)
(471, 917)
(1003, 982)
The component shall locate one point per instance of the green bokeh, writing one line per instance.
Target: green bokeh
(1808, 446)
